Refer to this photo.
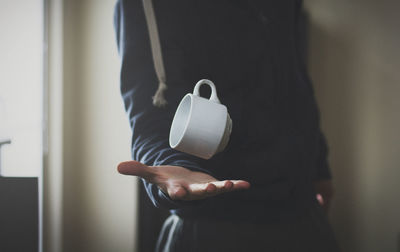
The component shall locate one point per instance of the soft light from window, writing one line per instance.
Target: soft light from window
(21, 86)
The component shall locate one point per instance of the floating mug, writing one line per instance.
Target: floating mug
(201, 127)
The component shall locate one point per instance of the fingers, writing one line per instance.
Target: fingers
(225, 184)
(135, 168)
(324, 201)
(205, 190)
(177, 192)
(230, 185)
(211, 188)
(320, 199)
(240, 184)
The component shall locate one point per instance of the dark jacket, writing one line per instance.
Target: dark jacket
(251, 51)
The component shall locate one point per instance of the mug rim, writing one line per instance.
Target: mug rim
(189, 95)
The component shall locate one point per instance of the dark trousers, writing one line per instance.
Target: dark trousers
(309, 232)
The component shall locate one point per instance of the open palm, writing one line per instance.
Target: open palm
(181, 183)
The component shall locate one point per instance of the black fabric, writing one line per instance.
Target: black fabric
(150, 221)
(309, 232)
(251, 50)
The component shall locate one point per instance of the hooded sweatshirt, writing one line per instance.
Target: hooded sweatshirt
(252, 51)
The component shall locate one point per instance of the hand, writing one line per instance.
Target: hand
(324, 190)
(180, 183)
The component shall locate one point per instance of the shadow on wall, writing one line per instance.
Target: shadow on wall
(354, 61)
(331, 70)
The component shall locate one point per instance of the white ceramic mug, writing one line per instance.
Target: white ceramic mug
(201, 127)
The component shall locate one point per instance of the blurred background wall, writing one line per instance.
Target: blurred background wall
(88, 205)
(355, 62)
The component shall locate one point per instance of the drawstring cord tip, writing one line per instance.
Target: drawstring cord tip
(159, 98)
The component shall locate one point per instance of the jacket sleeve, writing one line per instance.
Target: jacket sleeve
(150, 125)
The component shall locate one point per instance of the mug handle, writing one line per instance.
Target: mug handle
(213, 96)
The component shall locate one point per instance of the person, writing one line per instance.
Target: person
(260, 193)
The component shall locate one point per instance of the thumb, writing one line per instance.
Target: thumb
(135, 168)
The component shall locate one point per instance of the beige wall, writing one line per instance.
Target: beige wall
(355, 63)
(98, 204)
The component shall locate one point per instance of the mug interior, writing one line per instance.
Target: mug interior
(180, 122)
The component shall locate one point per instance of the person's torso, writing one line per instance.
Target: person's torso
(249, 50)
